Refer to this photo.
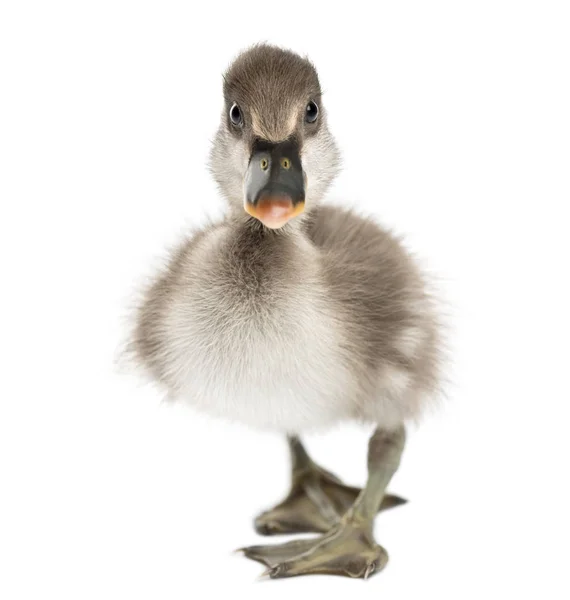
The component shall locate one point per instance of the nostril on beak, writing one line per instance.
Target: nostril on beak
(286, 163)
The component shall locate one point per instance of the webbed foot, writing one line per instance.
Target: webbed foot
(348, 549)
(316, 502)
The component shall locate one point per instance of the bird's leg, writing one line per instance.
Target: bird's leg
(317, 499)
(348, 548)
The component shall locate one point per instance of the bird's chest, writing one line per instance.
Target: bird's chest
(274, 363)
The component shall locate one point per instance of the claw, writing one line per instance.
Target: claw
(369, 570)
(265, 528)
(271, 573)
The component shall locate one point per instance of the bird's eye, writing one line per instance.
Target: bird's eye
(235, 115)
(311, 112)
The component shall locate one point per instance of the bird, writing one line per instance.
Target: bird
(293, 315)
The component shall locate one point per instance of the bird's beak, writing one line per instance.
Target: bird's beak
(274, 183)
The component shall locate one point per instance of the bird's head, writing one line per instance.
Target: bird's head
(273, 155)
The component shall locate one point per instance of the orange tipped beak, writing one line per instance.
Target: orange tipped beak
(274, 183)
(274, 211)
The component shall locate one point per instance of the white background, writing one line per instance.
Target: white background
(453, 120)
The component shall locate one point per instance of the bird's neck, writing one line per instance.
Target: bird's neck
(285, 254)
(249, 228)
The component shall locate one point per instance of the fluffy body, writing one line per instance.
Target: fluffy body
(294, 329)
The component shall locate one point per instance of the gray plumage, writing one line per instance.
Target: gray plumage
(323, 320)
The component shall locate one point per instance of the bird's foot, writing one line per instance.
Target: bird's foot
(347, 549)
(316, 502)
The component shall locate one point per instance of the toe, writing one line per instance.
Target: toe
(271, 556)
(295, 515)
